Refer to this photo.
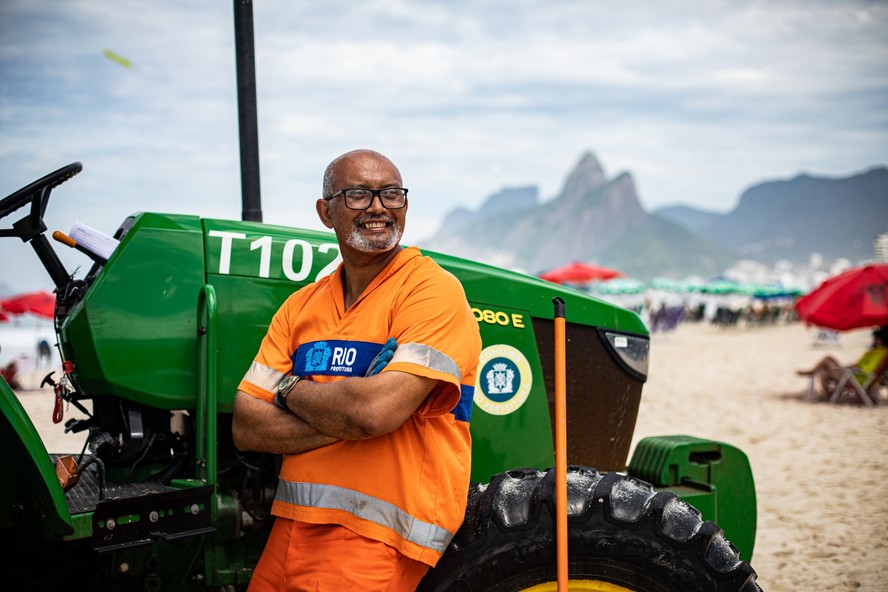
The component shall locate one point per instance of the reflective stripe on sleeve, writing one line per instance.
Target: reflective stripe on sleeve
(427, 357)
(331, 497)
(264, 377)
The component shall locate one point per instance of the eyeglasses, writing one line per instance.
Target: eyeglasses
(358, 198)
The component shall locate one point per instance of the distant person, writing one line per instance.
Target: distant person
(830, 370)
(9, 372)
(43, 353)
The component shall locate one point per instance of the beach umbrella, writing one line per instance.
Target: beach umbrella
(3, 316)
(774, 291)
(668, 284)
(580, 273)
(621, 286)
(721, 286)
(853, 299)
(41, 304)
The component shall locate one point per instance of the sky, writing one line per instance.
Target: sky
(697, 99)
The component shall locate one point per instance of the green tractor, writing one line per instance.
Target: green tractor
(154, 338)
(157, 333)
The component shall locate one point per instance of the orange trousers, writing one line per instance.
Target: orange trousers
(303, 557)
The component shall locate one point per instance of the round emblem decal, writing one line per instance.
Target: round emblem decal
(504, 380)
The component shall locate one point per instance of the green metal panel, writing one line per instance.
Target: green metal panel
(82, 526)
(253, 268)
(511, 429)
(31, 497)
(692, 468)
(134, 333)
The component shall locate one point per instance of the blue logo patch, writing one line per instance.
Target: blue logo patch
(334, 358)
(316, 358)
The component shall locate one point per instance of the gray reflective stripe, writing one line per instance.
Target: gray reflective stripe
(331, 497)
(427, 357)
(264, 377)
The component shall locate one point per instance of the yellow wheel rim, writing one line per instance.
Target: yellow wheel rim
(579, 586)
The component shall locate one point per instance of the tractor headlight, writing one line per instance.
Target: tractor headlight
(632, 351)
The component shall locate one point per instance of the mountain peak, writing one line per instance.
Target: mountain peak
(510, 198)
(596, 219)
(586, 176)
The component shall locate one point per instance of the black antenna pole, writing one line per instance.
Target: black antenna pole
(246, 110)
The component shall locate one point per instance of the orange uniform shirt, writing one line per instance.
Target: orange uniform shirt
(407, 488)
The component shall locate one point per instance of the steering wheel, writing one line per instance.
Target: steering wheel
(37, 194)
(31, 227)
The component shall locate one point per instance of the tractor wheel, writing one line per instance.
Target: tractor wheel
(622, 537)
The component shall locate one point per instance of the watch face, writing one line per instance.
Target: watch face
(284, 388)
(287, 383)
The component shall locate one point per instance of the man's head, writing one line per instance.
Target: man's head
(376, 229)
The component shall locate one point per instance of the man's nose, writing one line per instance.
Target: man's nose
(376, 204)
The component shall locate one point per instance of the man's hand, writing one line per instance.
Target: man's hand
(260, 427)
(383, 357)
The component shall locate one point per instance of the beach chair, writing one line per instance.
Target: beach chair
(826, 338)
(855, 383)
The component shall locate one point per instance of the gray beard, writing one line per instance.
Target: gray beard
(361, 243)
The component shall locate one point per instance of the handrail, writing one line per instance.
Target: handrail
(206, 409)
(207, 397)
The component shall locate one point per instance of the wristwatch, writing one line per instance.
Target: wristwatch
(283, 391)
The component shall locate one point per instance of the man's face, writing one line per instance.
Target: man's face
(376, 229)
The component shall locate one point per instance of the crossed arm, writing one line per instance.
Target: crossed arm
(323, 413)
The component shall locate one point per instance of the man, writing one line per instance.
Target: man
(376, 467)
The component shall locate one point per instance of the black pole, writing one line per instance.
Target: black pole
(560, 307)
(246, 110)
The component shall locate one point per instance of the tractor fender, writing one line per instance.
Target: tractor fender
(31, 493)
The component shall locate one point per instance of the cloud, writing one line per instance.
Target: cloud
(697, 100)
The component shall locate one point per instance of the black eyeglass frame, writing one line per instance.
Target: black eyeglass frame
(374, 193)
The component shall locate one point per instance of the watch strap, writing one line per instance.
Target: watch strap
(283, 391)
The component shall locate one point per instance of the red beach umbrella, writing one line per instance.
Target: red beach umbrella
(578, 272)
(853, 299)
(40, 303)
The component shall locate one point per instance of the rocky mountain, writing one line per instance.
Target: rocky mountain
(836, 217)
(599, 220)
(691, 218)
(505, 200)
(593, 219)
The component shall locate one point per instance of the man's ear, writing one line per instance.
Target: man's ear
(323, 207)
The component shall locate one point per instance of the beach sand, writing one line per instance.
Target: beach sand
(821, 470)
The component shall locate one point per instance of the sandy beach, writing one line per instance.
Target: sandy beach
(821, 470)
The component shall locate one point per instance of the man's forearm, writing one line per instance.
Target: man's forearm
(359, 408)
(260, 427)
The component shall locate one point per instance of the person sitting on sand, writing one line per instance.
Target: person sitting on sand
(830, 370)
(9, 372)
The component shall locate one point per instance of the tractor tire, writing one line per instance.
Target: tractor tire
(622, 536)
